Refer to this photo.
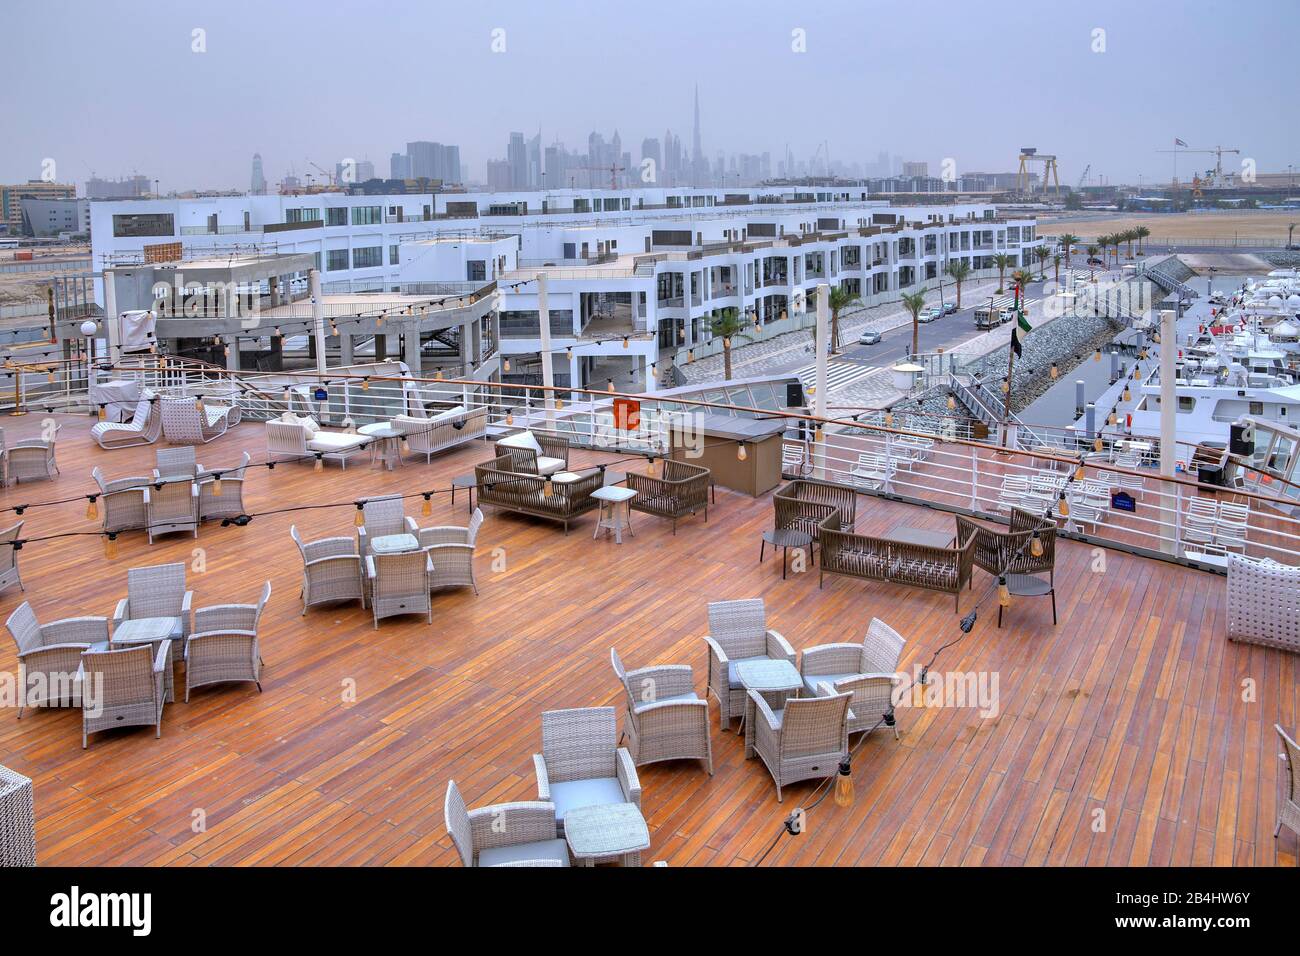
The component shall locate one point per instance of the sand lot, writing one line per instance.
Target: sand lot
(1264, 224)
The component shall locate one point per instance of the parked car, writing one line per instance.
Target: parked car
(930, 314)
(869, 338)
(1094, 261)
(949, 308)
(1006, 315)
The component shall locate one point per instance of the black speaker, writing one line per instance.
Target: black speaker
(793, 394)
(1241, 440)
(1210, 474)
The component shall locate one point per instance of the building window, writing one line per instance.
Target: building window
(1257, 408)
(369, 257)
(302, 215)
(336, 260)
(476, 270)
(367, 215)
(392, 255)
(336, 216)
(144, 224)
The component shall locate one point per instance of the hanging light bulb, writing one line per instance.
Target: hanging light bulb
(216, 484)
(365, 384)
(379, 320)
(1036, 545)
(1054, 371)
(952, 403)
(320, 464)
(625, 341)
(198, 404)
(650, 466)
(437, 376)
(110, 545)
(505, 366)
(1004, 593)
(817, 433)
(92, 510)
(609, 384)
(690, 355)
(1112, 418)
(1096, 443)
(741, 452)
(844, 785)
(1063, 506)
(1096, 356)
(1078, 472)
(559, 404)
(50, 376)
(103, 413)
(510, 418)
(1006, 386)
(360, 519)
(1127, 395)
(547, 487)
(889, 418)
(426, 509)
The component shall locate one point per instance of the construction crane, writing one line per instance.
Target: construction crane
(1084, 178)
(613, 169)
(1030, 154)
(1215, 176)
(329, 177)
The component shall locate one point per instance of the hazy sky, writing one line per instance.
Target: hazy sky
(114, 86)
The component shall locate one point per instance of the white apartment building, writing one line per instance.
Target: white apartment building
(634, 276)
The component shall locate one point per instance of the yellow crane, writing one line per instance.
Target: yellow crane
(1030, 154)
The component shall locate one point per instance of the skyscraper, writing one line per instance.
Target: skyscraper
(699, 165)
(517, 159)
(259, 178)
(650, 150)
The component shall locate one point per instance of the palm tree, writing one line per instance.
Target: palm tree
(1041, 253)
(1019, 279)
(914, 303)
(959, 269)
(727, 323)
(1002, 261)
(840, 298)
(1068, 241)
(1092, 254)
(1142, 232)
(1056, 261)
(1131, 236)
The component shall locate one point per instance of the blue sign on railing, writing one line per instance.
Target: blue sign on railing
(1123, 501)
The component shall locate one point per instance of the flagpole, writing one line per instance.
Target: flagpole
(1011, 361)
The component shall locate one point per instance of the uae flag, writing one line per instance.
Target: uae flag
(1015, 343)
(1022, 321)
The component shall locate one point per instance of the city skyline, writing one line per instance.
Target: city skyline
(844, 90)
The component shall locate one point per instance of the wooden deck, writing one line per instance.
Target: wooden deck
(1131, 706)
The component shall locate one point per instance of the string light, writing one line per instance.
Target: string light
(609, 384)
(1054, 371)
(1127, 395)
(1096, 356)
(216, 484)
(110, 545)
(741, 452)
(1063, 506)
(952, 403)
(426, 509)
(320, 463)
(360, 519)
(844, 785)
(92, 511)
(1004, 592)
(1036, 545)
(548, 487)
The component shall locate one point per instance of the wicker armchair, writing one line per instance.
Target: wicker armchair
(185, 423)
(53, 651)
(221, 491)
(527, 493)
(400, 584)
(738, 632)
(144, 428)
(17, 820)
(383, 516)
(681, 490)
(581, 763)
(806, 740)
(866, 671)
(32, 459)
(1288, 808)
(664, 719)
(128, 689)
(506, 834)
(451, 549)
(224, 646)
(534, 454)
(157, 591)
(331, 570)
(9, 574)
(810, 505)
(172, 506)
(122, 501)
(176, 463)
(1009, 552)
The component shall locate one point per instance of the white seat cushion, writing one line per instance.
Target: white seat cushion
(732, 679)
(335, 441)
(524, 440)
(449, 413)
(541, 850)
(410, 424)
(546, 466)
(585, 793)
(811, 681)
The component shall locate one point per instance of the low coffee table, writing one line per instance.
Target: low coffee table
(394, 544)
(905, 534)
(469, 482)
(152, 631)
(784, 538)
(615, 511)
(775, 680)
(387, 447)
(606, 830)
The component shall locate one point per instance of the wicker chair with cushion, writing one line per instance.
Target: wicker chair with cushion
(157, 591)
(808, 505)
(144, 428)
(535, 454)
(382, 517)
(681, 490)
(331, 570)
(867, 672)
(54, 652)
(451, 549)
(581, 763)
(664, 719)
(187, 421)
(172, 506)
(805, 740)
(221, 491)
(738, 632)
(121, 501)
(400, 584)
(429, 436)
(1288, 809)
(224, 646)
(176, 463)
(567, 498)
(32, 459)
(506, 834)
(9, 574)
(129, 689)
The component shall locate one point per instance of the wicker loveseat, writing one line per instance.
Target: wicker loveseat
(810, 505)
(681, 490)
(1008, 551)
(431, 435)
(881, 559)
(569, 497)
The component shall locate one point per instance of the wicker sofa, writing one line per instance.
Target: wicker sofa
(881, 559)
(429, 436)
(809, 505)
(681, 490)
(527, 494)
